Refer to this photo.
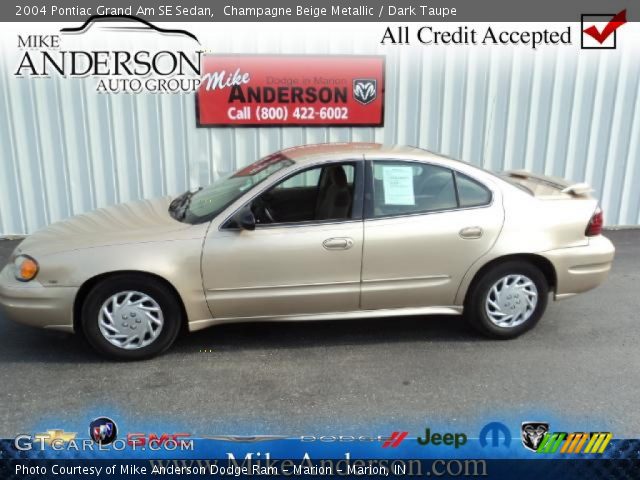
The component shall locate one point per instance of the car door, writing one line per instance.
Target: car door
(297, 264)
(425, 226)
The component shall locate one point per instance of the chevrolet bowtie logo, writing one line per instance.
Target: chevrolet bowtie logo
(52, 435)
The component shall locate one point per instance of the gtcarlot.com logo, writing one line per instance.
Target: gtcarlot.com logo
(103, 433)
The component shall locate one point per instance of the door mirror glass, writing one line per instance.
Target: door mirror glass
(245, 219)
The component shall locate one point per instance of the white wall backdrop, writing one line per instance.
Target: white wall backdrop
(66, 149)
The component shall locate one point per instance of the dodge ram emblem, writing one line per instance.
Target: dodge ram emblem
(365, 90)
(532, 434)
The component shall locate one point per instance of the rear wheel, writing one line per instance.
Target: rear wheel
(131, 317)
(507, 300)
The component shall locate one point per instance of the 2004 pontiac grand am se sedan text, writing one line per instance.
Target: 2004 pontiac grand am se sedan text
(309, 233)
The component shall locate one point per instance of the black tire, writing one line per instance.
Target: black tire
(474, 308)
(163, 295)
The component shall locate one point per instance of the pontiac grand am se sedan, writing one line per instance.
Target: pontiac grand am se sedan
(334, 231)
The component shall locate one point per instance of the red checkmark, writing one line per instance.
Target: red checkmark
(616, 22)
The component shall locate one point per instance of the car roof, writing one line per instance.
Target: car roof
(309, 153)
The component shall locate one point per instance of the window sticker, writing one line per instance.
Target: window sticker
(398, 185)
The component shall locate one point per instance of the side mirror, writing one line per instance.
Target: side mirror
(245, 219)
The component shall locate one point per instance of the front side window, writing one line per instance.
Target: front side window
(205, 203)
(316, 194)
(401, 188)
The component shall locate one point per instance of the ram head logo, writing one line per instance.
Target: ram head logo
(533, 433)
(365, 90)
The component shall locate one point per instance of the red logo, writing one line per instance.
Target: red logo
(291, 90)
(153, 440)
(395, 439)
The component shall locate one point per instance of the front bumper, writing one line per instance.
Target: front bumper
(579, 269)
(33, 304)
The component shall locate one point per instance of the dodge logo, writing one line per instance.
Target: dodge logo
(532, 434)
(365, 90)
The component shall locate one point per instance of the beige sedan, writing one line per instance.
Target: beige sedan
(335, 231)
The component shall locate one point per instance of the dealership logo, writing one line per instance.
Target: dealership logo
(262, 90)
(365, 90)
(532, 434)
(392, 441)
(395, 440)
(537, 438)
(342, 438)
(495, 431)
(54, 436)
(103, 433)
(455, 439)
(151, 69)
(245, 438)
(599, 30)
(169, 440)
(103, 430)
(137, 24)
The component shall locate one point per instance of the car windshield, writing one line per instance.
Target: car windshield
(205, 203)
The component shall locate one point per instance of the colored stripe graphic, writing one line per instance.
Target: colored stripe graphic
(570, 442)
(573, 442)
(551, 442)
(598, 442)
(578, 448)
(395, 439)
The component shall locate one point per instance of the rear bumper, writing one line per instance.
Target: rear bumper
(35, 305)
(579, 269)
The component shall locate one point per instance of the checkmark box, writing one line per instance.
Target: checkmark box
(598, 30)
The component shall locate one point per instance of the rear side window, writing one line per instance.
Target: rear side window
(404, 188)
(401, 188)
(470, 192)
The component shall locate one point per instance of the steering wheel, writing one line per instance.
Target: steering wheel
(263, 209)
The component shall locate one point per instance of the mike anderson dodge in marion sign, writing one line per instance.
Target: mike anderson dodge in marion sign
(291, 90)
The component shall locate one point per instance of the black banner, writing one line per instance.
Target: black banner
(298, 11)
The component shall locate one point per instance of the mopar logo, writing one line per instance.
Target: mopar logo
(498, 433)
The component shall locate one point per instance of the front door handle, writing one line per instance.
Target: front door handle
(470, 233)
(338, 243)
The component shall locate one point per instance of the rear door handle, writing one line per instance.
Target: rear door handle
(470, 233)
(338, 243)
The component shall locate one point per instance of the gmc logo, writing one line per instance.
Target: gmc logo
(153, 440)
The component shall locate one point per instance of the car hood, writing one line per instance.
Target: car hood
(133, 222)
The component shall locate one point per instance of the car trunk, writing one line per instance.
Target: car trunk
(543, 186)
(574, 210)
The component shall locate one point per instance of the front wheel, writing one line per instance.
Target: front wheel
(507, 300)
(131, 317)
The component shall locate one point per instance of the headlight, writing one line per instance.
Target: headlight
(26, 268)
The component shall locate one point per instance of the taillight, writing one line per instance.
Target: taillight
(595, 224)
